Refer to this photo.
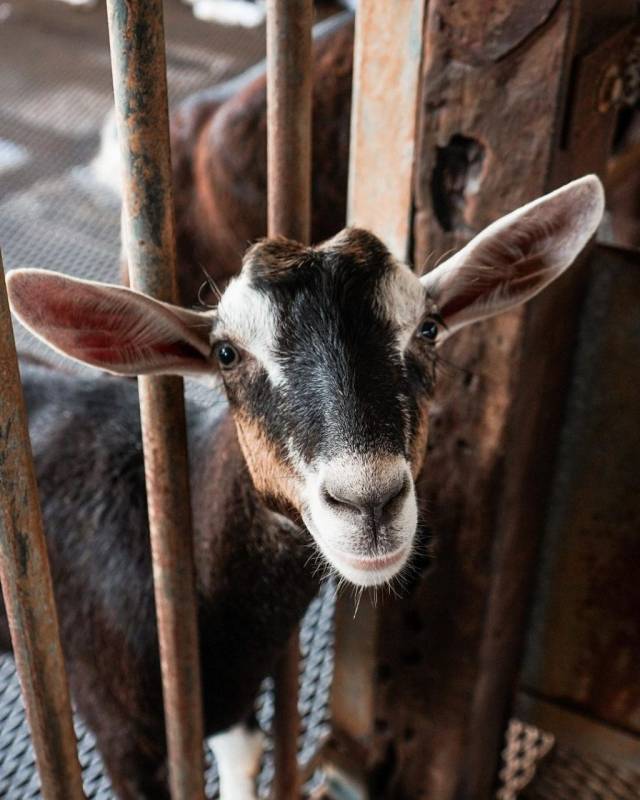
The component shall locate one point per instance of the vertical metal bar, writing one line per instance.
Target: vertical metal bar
(289, 117)
(136, 34)
(27, 588)
(386, 75)
(386, 81)
(289, 194)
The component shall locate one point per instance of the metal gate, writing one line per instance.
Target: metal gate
(137, 46)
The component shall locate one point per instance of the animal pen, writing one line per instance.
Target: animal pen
(460, 112)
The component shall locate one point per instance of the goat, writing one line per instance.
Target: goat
(219, 161)
(327, 356)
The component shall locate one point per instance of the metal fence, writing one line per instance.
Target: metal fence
(139, 78)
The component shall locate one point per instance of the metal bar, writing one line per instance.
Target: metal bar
(286, 723)
(289, 117)
(136, 34)
(27, 587)
(387, 68)
(386, 76)
(289, 203)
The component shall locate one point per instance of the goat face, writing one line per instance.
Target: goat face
(328, 358)
(329, 373)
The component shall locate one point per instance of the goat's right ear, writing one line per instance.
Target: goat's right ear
(517, 256)
(116, 329)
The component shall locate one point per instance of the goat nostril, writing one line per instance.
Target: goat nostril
(332, 498)
(378, 505)
(394, 495)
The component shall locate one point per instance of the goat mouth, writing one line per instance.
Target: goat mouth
(361, 570)
(373, 563)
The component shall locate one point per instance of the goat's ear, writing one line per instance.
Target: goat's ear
(110, 327)
(517, 256)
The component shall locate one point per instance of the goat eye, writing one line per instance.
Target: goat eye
(227, 355)
(429, 330)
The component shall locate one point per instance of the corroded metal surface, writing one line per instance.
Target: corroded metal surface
(286, 724)
(387, 60)
(289, 214)
(387, 63)
(289, 117)
(27, 588)
(139, 75)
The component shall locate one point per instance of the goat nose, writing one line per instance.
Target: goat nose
(378, 503)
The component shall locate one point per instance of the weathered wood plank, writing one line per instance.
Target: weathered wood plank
(586, 643)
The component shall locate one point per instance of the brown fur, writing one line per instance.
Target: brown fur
(271, 475)
(419, 441)
(270, 257)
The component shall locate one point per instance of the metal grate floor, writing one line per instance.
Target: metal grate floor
(537, 768)
(18, 775)
(55, 85)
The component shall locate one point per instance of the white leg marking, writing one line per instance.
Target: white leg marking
(238, 752)
(229, 12)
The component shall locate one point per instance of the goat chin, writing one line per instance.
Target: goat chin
(358, 569)
(370, 571)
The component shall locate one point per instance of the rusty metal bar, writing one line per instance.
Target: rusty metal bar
(386, 83)
(27, 587)
(136, 34)
(289, 117)
(289, 203)
(286, 723)
(387, 60)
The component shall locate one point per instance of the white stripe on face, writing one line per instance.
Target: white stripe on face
(248, 317)
(403, 301)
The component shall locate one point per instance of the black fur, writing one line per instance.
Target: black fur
(251, 589)
(347, 387)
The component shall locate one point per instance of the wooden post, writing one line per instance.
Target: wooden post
(27, 588)
(136, 36)
(495, 125)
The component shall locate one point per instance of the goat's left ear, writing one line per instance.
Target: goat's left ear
(110, 327)
(517, 256)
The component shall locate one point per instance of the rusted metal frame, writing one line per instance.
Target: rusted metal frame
(289, 117)
(289, 214)
(27, 587)
(136, 35)
(387, 68)
(386, 76)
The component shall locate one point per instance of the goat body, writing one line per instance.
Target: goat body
(328, 357)
(252, 585)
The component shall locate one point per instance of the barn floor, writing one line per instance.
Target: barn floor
(55, 85)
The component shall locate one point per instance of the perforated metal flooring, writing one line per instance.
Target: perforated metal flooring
(55, 90)
(19, 778)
